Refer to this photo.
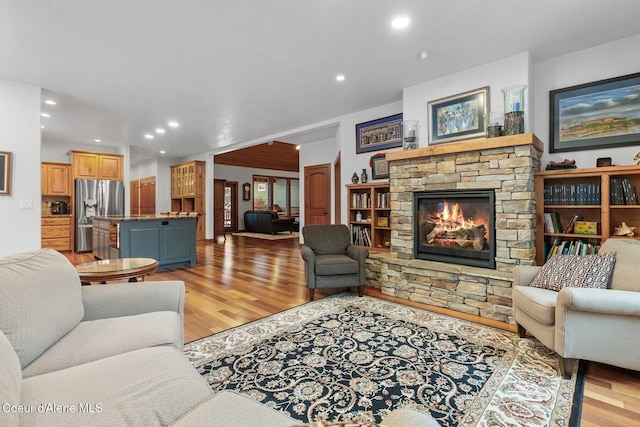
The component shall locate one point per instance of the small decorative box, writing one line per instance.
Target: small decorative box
(586, 227)
(383, 221)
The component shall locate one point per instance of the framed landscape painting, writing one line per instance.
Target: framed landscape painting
(458, 117)
(379, 134)
(601, 114)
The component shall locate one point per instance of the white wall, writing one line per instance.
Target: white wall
(53, 151)
(346, 144)
(597, 63)
(312, 154)
(20, 124)
(497, 75)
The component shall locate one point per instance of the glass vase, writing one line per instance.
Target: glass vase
(513, 109)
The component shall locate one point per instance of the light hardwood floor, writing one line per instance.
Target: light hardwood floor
(244, 279)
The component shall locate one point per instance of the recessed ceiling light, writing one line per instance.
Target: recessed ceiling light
(97, 140)
(41, 126)
(160, 130)
(50, 102)
(297, 147)
(163, 152)
(340, 77)
(148, 136)
(400, 22)
(173, 124)
(45, 115)
(423, 55)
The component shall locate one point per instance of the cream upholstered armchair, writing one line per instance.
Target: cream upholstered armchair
(330, 260)
(594, 324)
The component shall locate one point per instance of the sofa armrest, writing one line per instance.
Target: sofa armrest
(308, 255)
(602, 301)
(128, 299)
(524, 274)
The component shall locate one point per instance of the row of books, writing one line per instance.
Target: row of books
(554, 225)
(571, 247)
(572, 194)
(360, 235)
(360, 201)
(622, 192)
(384, 201)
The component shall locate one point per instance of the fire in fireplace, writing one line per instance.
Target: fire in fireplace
(455, 226)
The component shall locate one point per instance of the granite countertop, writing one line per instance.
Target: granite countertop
(56, 216)
(182, 215)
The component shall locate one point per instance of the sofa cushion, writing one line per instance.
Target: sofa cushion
(627, 271)
(98, 339)
(10, 382)
(540, 304)
(40, 301)
(328, 265)
(227, 409)
(577, 271)
(327, 239)
(148, 387)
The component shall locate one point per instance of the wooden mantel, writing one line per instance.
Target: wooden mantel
(472, 145)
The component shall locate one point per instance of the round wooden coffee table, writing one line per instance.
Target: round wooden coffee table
(116, 269)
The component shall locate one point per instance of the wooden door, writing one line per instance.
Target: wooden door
(151, 195)
(218, 207)
(337, 190)
(231, 210)
(134, 196)
(317, 194)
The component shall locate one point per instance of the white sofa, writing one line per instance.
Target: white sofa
(586, 323)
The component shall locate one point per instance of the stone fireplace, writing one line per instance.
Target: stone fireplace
(502, 166)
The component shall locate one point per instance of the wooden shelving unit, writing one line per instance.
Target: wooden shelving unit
(188, 191)
(568, 199)
(372, 227)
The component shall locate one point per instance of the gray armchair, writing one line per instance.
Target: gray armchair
(586, 323)
(330, 260)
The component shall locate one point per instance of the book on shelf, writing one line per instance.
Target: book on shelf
(622, 192)
(568, 229)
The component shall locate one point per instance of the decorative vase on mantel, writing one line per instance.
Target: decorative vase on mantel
(364, 178)
(354, 178)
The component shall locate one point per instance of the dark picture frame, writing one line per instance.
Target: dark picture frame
(458, 117)
(379, 167)
(601, 114)
(5, 173)
(379, 134)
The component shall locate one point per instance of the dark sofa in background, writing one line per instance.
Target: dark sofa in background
(268, 222)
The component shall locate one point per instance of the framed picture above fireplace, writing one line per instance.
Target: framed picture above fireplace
(458, 117)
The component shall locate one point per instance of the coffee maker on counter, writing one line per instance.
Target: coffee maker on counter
(59, 208)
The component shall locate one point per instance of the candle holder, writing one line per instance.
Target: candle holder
(514, 109)
(493, 124)
(410, 130)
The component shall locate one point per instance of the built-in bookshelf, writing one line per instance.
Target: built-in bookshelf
(578, 209)
(369, 215)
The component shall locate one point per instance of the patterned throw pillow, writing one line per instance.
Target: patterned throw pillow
(576, 271)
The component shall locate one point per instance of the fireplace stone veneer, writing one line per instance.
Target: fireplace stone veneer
(505, 165)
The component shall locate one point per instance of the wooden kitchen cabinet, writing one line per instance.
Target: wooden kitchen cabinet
(88, 165)
(143, 196)
(188, 191)
(56, 233)
(56, 179)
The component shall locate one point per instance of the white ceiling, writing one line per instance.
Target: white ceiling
(234, 72)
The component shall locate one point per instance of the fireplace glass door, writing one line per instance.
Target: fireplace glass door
(456, 226)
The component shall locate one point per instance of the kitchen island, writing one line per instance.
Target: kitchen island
(169, 239)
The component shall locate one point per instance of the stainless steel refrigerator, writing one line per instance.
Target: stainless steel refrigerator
(95, 197)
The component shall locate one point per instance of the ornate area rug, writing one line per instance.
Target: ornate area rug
(349, 358)
(266, 236)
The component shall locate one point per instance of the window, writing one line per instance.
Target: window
(276, 193)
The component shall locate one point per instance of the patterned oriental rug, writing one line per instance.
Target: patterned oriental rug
(349, 358)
